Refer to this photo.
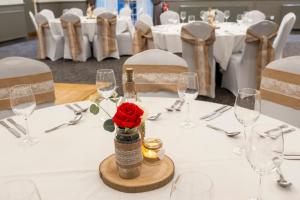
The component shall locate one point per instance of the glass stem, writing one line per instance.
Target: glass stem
(259, 191)
(188, 112)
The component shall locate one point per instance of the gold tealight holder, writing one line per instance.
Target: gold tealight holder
(152, 149)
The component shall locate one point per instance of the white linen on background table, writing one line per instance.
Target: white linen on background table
(229, 39)
(64, 164)
(89, 26)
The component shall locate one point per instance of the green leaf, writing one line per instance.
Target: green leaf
(94, 109)
(109, 125)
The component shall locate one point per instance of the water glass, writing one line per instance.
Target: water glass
(191, 186)
(183, 16)
(202, 15)
(105, 82)
(187, 88)
(264, 151)
(227, 14)
(247, 110)
(239, 19)
(191, 19)
(19, 190)
(22, 101)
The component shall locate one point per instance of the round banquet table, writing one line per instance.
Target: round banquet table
(229, 39)
(89, 26)
(64, 164)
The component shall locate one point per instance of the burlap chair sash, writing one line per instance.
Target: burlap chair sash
(203, 69)
(41, 53)
(281, 87)
(42, 86)
(107, 29)
(74, 43)
(142, 35)
(265, 53)
(154, 78)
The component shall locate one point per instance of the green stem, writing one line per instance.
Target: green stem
(105, 111)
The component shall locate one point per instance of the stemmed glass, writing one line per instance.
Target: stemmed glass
(227, 14)
(239, 19)
(187, 88)
(202, 15)
(191, 18)
(183, 16)
(246, 110)
(19, 190)
(264, 151)
(105, 83)
(22, 101)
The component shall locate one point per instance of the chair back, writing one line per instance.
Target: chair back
(255, 16)
(258, 51)
(48, 14)
(33, 21)
(169, 17)
(72, 33)
(142, 38)
(125, 12)
(98, 11)
(147, 19)
(197, 50)
(155, 70)
(43, 32)
(76, 11)
(285, 29)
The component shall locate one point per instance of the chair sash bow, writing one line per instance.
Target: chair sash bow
(107, 34)
(41, 53)
(74, 44)
(265, 53)
(203, 69)
(141, 37)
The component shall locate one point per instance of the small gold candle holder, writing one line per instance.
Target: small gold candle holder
(152, 149)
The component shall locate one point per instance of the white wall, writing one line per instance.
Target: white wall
(10, 2)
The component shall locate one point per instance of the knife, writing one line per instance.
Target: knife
(11, 130)
(18, 126)
(213, 113)
(218, 114)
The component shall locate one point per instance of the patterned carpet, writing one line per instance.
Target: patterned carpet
(70, 72)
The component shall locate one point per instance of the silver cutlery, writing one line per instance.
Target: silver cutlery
(11, 130)
(218, 113)
(276, 129)
(213, 113)
(71, 122)
(229, 134)
(80, 108)
(180, 106)
(274, 136)
(18, 126)
(76, 112)
(154, 117)
(172, 108)
(282, 181)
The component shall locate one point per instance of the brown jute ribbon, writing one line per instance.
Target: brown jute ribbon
(203, 68)
(265, 53)
(41, 53)
(107, 34)
(141, 37)
(74, 44)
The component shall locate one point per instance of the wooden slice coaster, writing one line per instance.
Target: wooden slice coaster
(153, 175)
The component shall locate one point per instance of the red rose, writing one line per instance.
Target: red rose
(128, 115)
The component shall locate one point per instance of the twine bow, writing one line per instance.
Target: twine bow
(203, 68)
(265, 53)
(74, 44)
(107, 34)
(41, 54)
(141, 37)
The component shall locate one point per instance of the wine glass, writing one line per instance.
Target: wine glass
(191, 18)
(227, 14)
(187, 88)
(183, 16)
(264, 152)
(247, 110)
(22, 101)
(202, 15)
(19, 190)
(239, 19)
(191, 185)
(105, 82)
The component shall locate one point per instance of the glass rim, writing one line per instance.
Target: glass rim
(21, 85)
(105, 70)
(254, 91)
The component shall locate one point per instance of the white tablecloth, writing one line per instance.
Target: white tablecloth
(89, 26)
(229, 39)
(64, 164)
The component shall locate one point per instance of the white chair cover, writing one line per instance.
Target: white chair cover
(155, 72)
(53, 45)
(48, 14)
(147, 19)
(241, 71)
(125, 12)
(76, 11)
(280, 90)
(19, 70)
(285, 28)
(254, 16)
(220, 16)
(169, 17)
(85, 51)
(99, 11)
(98, 40)
(202, 31)
(33, 20)
(124, 41)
